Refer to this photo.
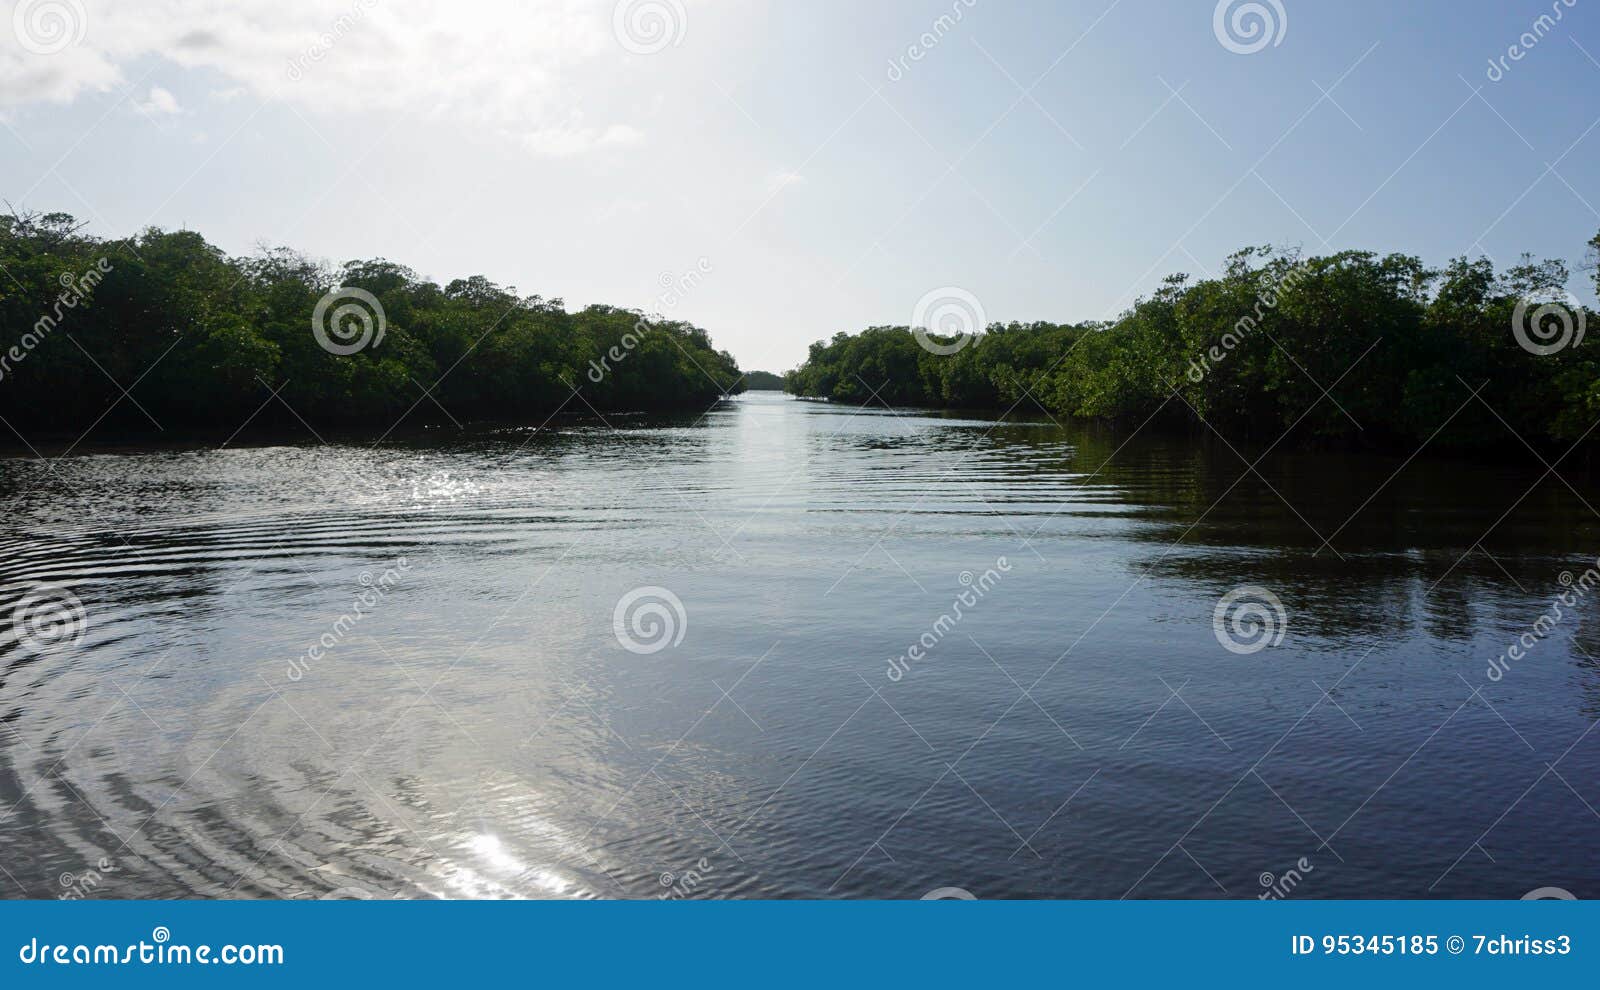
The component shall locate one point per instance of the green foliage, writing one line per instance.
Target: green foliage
(1400, 348)
(763, 380)
(207, 337)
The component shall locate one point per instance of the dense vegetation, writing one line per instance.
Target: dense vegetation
(1400, 346)
(763, 381)
(201, 340)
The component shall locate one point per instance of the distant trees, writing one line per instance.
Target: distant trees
(206, 337)
(1400, 347)
(763, 380)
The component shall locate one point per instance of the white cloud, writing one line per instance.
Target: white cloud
(508, 67)
(572, 136)
(621, 135)
(160, 101)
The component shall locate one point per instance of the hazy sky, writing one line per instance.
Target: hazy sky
(1053, 159)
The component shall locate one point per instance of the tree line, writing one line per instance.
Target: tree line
(763, 381)
(202, 340)
(1462, 356)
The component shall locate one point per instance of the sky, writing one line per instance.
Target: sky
(827, 165)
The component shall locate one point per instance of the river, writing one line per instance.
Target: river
(792, 649)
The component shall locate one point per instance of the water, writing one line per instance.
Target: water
(477, 728)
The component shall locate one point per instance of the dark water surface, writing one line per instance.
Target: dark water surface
(478, 728)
